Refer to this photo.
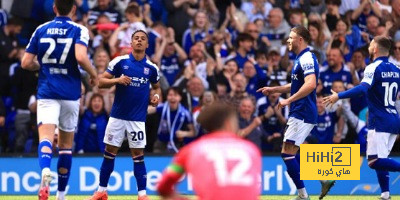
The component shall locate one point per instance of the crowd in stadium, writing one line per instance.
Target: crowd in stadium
(207, 51)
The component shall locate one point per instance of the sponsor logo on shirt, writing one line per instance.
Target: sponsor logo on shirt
(294, 77)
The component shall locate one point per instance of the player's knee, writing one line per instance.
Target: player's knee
(46, 149)
(371, 162)
(62, 170)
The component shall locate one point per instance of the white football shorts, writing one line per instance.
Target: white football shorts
(379, 144)
(63, 113)
(297, 131)
(117, 129)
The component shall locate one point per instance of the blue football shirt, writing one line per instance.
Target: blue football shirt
(382, 79)
(305, 108)
(54, 44)
(131, 101)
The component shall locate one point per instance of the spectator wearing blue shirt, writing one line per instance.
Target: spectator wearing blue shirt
(198, 32)
(336, 70)
(326, 121)
(245, 44)
(156, 32)
(169, 56)
(256, 78)
(92, 127)
(176, 123)
(362, 12)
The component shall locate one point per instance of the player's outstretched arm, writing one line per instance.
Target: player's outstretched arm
(83, 60)
(278, 89)
(29, 62)
(170, 177)
(353, 92)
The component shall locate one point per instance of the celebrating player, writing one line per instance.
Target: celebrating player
(222, 165)
(303, 109)
(132, 75)
(59, 46)
(380, 83)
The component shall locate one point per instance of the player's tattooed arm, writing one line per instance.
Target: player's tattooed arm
(29, 62)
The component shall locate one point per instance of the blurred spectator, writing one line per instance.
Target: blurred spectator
(8, 51)
(260, 43)
(169, 56)
(372, 24)
(100, 60)
(134, 21)
(384, 5)
(256, 9)
(157, 31)
(395, 57)
(256, 78)
(249, 125)
(277, 28)
(275, 70)
(317, 6)
(224, 77)
(273, 118)
(324, 131)
(192, 89)
(315, 17)
(296, 17)
(104, 28)
(361, 13)
(176, 123)
(104, 7)
(336, 70)
(319, 41)
(24, 84)
(208, 6)
(221, 46)
(238, 91)
(244, 50)
(179, 15)
(92, 127)
(208, 98)
(3, 134)
(395, 29)
(196, 65)
(199, 31)
(346, 5)
(332, 14)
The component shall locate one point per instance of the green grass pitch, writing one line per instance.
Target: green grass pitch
(264, 197)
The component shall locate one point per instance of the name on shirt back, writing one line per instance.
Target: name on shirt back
(56, 31)
(390, 75)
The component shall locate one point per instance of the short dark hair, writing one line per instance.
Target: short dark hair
(384, 43)
(176, 90)
(15, 21)
(214, 116)
(303, 32)
(334, 2)
(140, 30)
(64, 7)
(244, 37)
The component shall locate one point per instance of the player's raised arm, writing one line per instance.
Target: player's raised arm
(84, 62)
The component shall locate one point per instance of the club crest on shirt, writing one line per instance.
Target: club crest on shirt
(146, 71)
